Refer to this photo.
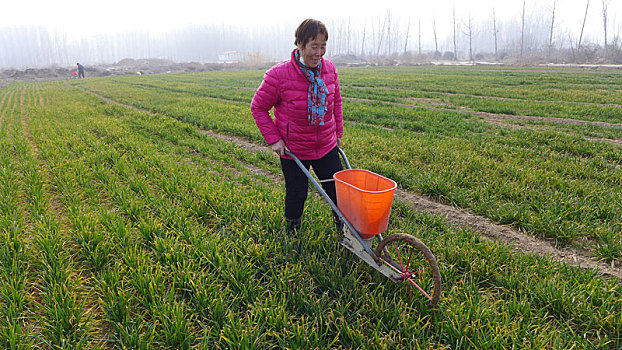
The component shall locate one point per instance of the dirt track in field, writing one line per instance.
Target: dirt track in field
(456, 217)
(505, 119)
(496, 116)
(491, 97)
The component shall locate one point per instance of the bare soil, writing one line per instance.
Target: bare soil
(506, 119)
(495, 116)
(126, 66)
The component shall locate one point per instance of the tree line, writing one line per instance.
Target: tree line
(387, 36)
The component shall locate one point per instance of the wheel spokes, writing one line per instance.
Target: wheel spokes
(420, 289)
(409, 257)
(404, 270)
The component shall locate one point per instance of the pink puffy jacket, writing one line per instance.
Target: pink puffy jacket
(285, 88)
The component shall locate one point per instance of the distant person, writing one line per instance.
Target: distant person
(308, 121)
(80, 70)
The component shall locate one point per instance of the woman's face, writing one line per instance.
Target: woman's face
(313, 51)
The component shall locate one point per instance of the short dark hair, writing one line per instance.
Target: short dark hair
(309, 29)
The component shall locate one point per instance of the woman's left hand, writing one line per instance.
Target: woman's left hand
(339, 142)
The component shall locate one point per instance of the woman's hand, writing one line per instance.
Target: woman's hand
(339, 142)
(279, 147)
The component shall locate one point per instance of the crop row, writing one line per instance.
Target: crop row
(171, 241)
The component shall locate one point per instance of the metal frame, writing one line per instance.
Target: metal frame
(352, 240)
(332, 204)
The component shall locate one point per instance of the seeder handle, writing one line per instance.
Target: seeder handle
(345, 159)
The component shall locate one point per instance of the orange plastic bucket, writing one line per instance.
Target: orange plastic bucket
(365, 199)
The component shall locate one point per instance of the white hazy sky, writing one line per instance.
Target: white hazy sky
(84, 17)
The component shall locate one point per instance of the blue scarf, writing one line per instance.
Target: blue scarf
(317, 103)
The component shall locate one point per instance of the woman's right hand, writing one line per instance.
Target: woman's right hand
(279, 147)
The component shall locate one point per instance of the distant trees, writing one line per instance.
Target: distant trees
(495, 31)
(23, 47)
(454, 31)
(534, 33)
(587, 6)
(470, 32)
(551, 31)
(436, 52)
(522, 30)
(605, 5)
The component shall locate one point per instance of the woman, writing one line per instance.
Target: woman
(308, 120)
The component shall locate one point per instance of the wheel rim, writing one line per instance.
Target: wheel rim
(416, 266)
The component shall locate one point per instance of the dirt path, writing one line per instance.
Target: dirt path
(575, 103)
(505, 119)
(509, 235)
(456, 217)
(494, 97)
(495, 116)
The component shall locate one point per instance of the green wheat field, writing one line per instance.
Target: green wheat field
(142, 212)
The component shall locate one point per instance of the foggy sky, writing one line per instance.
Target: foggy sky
(34, 32)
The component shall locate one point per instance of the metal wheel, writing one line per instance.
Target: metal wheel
(415, 263)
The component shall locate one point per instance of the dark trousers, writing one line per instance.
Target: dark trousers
(296, 182)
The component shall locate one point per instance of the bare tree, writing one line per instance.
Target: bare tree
(495, 31)
(435, 37)
(388, 32)
(615, 46)
(587, 6)
(384, 24)
(522, 31)
(373, 38)
(470, 33)
(419, 36)
(551, 31)
(348, 37)
(396, 37)
(363, 41)
(407, 32)
(605, 5)
(574, 54)
(339, 37)
(455, 49)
